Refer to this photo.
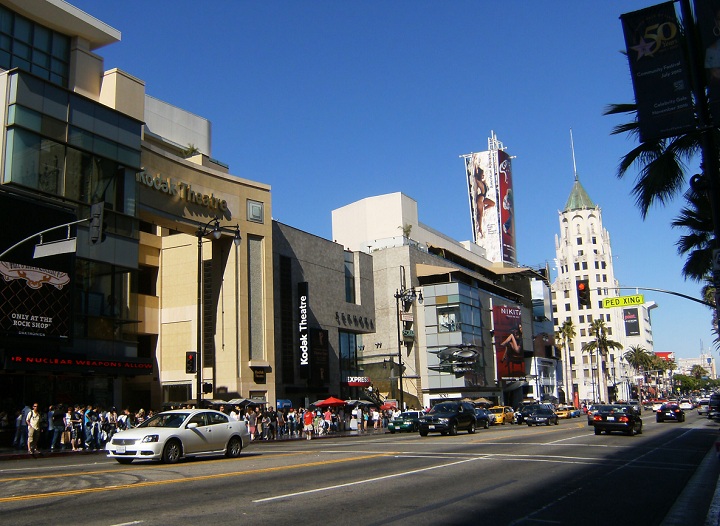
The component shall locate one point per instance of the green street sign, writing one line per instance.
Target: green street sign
(623, 301)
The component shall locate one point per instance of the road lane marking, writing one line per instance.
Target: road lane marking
(146, 484)
(364, 481)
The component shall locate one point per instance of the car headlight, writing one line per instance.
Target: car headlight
(150, 438)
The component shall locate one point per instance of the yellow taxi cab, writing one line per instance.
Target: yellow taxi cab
(503, 414)
(563, 411)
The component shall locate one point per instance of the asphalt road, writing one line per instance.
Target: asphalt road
(506, 475)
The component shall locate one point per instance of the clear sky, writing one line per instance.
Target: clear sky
(333, 101)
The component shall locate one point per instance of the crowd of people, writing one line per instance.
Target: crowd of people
(89, 427)
(75, 428)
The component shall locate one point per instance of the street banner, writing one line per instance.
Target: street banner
(659, 72)
(707, 14)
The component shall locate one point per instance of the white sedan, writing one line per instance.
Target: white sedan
(686, 404)
(171, 435)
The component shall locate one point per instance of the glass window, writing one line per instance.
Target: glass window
(255, 211)
(349, 278)
(23, 29)
(448, 319)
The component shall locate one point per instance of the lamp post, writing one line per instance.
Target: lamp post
(406, 296)
(216, 233)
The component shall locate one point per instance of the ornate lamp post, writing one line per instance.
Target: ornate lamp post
(215, 233)
(407, 297)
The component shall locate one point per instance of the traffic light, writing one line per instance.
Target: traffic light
(97, 224)
(191, 362)
(583, 292)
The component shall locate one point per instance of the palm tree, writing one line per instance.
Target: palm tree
(637, 356)
(566, 333)
(601, 345)
(698, 371)
(663, 165)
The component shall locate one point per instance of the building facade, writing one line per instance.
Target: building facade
(585, 267)
(324, 317)
(131, 277)
(440, 309)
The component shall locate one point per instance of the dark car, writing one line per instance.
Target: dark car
(482, 417)
(523, 411)
(617, 417)
(670, 412)
(406, 421)
(714, 405)
(448, 418)
(542, 415)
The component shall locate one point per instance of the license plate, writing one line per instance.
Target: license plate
(431, 427)
(669, 414)
(120, 450)
(610, 419)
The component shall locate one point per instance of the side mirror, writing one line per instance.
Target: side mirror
(192, 425)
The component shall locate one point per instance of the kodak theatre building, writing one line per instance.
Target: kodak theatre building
(125, 246)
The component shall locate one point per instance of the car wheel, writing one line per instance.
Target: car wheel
(597, 431)
(392, 431)
(453, 429)
(234, 447)
(529, 424)
(486, 425)
(415, 427)
(630, 432)
(172, 452)
(557, 421)
(124, 460)
(423, 433)
(471, 428)
(682, 418)
(657, 419)
(639, 430)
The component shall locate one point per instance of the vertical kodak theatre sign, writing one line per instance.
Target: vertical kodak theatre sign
(303, 329)
(181, 191)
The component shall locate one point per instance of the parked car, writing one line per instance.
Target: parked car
(448, 418)
(171, 435)
(617, 417)
(405, 421)
(503, 414)
(670, 412)
(703, 408)
(542, 415)
(483, 417)
(575, 412)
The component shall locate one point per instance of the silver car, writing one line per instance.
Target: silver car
(171, 435)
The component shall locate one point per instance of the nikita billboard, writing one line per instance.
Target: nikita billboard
(632, 322)
(707, 13)
(509, 342)
(490, 190)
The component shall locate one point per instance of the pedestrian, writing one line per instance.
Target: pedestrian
(33, 425)
(252, 423)
(308, 417)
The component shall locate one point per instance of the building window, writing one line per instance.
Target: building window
(31, 47)
(255, 211)
(448, 318)
(594, 240)
(580, 252)
(581, 319)
(349, 278)
(577, 265)
(579, 241)
(582, 332)
(584, 265)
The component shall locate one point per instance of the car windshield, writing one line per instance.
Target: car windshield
(402, 416)
(444, 408)
(612, 409)
(165, 420)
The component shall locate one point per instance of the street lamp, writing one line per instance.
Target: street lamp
(215, 233)
(407, 297)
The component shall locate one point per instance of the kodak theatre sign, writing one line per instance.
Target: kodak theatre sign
(181, 190)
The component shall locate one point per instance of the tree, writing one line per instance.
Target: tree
(601, 345)
(638, 357)
(406, 229)
(190, 151)
(698, 371)
(566, 334)
(662, 167)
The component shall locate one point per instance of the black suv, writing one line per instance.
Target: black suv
(448, 418)
(714, 405)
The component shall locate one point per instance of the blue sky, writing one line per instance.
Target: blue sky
(330, 102)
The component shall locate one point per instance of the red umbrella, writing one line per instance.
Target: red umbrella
(330, 402)
(387, 406)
